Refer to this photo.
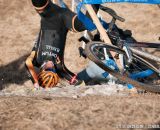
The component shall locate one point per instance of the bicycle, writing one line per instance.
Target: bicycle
(138, 67)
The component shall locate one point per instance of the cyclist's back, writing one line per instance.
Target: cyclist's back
(55, 23)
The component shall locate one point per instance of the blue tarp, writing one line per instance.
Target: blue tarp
(119, 1)
(89, 24)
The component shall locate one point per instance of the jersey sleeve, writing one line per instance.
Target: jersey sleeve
(30, 67)
(31, 61)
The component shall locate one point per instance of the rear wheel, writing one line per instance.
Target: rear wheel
(138, 66)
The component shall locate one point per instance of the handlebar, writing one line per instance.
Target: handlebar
(112, 13)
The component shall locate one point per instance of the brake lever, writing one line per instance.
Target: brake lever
(83, 39)
(112, 13)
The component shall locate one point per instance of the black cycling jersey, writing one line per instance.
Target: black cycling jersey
(55, 23)
(50, 44)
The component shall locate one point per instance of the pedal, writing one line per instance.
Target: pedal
(83, 39)
(82, 52)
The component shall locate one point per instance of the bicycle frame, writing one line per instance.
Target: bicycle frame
(106, 39)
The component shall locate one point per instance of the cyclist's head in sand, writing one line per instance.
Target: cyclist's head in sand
(48, 77)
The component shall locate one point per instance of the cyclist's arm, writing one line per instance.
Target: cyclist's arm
(30, 62)
(30, 67)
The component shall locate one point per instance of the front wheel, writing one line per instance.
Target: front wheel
(94, 53)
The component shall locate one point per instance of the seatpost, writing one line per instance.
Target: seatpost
(129, 53)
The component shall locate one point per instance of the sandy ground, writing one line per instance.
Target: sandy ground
(88, 113)
(69, 108)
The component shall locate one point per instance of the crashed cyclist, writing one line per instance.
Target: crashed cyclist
(48, 51)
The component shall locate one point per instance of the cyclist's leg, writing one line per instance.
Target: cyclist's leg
(93, 72)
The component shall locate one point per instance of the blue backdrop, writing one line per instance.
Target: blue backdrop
(119, 1)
